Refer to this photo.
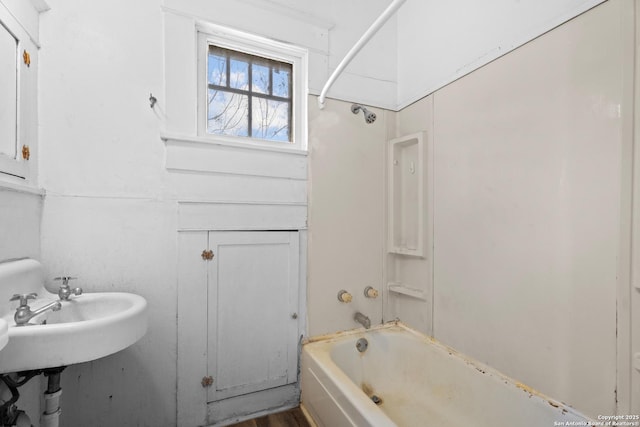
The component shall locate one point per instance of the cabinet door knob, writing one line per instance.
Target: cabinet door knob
(294, 316)
(207, 255)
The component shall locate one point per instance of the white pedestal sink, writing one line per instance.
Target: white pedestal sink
(87, 327)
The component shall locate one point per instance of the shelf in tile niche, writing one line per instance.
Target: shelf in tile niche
(406, 195)
(401, 288)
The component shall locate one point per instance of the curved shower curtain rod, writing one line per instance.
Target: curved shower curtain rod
(359, 45)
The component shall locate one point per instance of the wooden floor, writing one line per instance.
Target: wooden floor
(291, 418)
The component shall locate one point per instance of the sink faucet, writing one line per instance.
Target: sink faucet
(65, 291)
(24, 313)
(362, 319)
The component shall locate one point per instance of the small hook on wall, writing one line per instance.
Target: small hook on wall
(152, 100)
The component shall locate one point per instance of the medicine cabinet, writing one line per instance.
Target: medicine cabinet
(9, 89)
(18, 87)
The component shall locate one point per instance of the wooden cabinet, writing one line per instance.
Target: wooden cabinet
(238, 321)
(19, 23)
(252, 311)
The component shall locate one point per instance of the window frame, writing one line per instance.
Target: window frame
(250, 44)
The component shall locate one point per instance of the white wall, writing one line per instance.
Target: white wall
(415, 273)
(440, 41)
(346, 220)
(122, 245)
(104, 218)
(528, 191)
(20, 215)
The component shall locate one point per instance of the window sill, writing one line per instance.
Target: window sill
(233, 142)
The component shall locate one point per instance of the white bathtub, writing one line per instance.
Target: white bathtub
(420, 383)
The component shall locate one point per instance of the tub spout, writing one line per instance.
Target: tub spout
(362, 319)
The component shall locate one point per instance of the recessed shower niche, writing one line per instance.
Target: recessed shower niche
(406, 196)
(409, 224)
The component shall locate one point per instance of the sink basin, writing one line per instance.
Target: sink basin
(87, 327)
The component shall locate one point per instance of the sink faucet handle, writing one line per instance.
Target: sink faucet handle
(23, 298)
(65, 291)
(65, 279)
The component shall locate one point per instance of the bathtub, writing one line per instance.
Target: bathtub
(417, 382)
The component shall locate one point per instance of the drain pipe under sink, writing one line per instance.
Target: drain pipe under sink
(51, 415)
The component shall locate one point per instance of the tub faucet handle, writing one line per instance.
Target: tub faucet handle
(23, 298)
(370, 292)
(344, 296)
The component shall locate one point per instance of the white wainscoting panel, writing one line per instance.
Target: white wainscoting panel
(233, 159)
(188, 185)
(222, 185)
(241, 216)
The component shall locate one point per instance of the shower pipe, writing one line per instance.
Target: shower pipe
(359, 45)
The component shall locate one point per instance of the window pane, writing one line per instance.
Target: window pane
(248, 95)
(281, 82)
(270, 120)
(260, 78)
(227, 113)
(239, 74)
(217, 69)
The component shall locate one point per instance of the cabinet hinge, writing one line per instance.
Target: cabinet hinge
(26, 153)
(207, 255)
(207, 381)
(26, 58)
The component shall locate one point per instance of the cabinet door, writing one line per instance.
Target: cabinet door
(252, 311)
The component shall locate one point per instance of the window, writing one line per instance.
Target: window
(248, 95)
(251, 89)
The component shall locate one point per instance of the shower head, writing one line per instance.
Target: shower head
(369, 117)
